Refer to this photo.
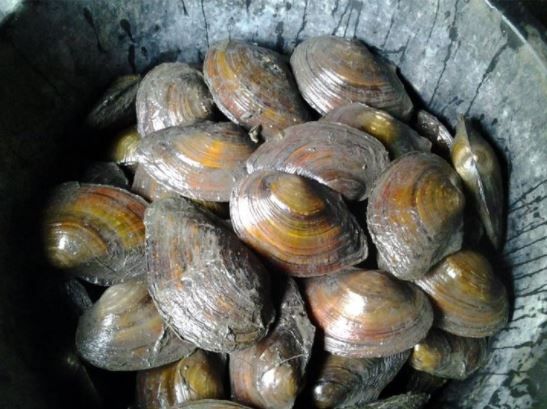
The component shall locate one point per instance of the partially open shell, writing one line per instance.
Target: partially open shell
(448, 356)
(197, 376)
(172, 94)
(123, 147)
(344, 382)
(124, 332)
(396, 136)
(207, 285)
(338, 156)
(406, 401)
(415, 214)
(212, 404)
(477, 164)
(434, 130)
(298, 225)
(253, 86)
(96, 232)
(368, 314)
(202, 161)
(333, 71)
(470, 301)
(105, 173)
(271, 373)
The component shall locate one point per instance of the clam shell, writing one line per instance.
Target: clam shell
(298, 225)
(208, 287)
(477, 164)
(96, 232)
(448, 356)
(105, 173)
(367, 314)
(333, 71)
(124, 332)
(212, 404)
(201, 162)
(271, 373)
(123, 147)
(253, 86)
(419, 381)
(344, 382)
(468, 298)
(338, 156)
(415, 214)
(396, 136)
(197, 376)
(172, 94)
(405, 401)
(434, 130)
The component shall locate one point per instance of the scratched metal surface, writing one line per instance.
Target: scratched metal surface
(461, 56)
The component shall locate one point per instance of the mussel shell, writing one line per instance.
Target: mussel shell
(415, 214)
(271, 373)
(448, 356)
(344, 381)
(202, 161)
(172, 94)
(405, 401)
(368, 314)
(397, 137)
(208, 286)
(419, 381)
(105, 173)
(196, 376)
(434, 130)
(333, 71)
(477, 164)
(124, 332)
(96, 232)
(115, 109)
(300, 226)
(212, 404)
(253, 86)
(468, 298)
(123, 147)
(77, 296)
(338, 156)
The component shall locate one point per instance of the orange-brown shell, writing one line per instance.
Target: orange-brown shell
(212, 404)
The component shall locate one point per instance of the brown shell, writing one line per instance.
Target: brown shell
(338, 156)
(396, 136)
(477, 164)
(212, 404)
(469, 300)
(96, 232)
(448, 356)
(434, 130)
(368, 314)
(415, 214)
(115, 109)
(253, 86)
(105, 173)
(418, 381)
(333, 71)
(123, 147)
(298, 225)
(270, 374)
(124, 332)
(201, 162)
(197, 376)
(172, 94)
(344, 381)
(406, 401)
(208, 287)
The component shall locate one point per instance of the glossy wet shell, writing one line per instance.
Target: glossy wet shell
(396, 136)
(338, 156)
(105, 173)
(253, 86)
(271, 373)
(448, 356)
(123, 331)
(406, 401)
(415, 214)
(202, 161)
(333, 71)
(207, 285)
(477, 164)
(172, 94)
(123, 147)
(366, 313)
(197, 376)
(212, 404)
(298, 225)
(468, 298)
(96, 232)
(344, 382)
(434, 130)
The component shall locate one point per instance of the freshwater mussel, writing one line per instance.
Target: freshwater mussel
(333, 71)
(404, 401)
(105, 173)
(123, 147)
(338, 156)
(433, 129)
(253, 86)
(300, 226)
(212, 404)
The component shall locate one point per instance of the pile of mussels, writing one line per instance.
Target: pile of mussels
(240, 246)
